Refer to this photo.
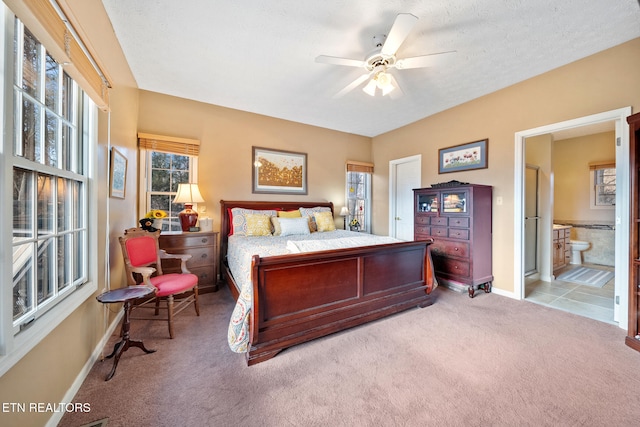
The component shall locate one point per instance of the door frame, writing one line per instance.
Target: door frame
(619, 116)
(393, 166)
(536, 270)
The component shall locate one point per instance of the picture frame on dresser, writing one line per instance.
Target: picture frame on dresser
(279, 171)
(463, 157)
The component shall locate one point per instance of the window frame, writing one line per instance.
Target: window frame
(594, 186)
(352, 201)
(15, 344)
(144, 201)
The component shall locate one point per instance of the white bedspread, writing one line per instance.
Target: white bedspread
(242, 248)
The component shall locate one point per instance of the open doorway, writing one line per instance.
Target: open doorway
(616, 118)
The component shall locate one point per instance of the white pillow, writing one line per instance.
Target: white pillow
(291, 226)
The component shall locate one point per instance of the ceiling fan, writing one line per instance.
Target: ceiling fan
(383, 58)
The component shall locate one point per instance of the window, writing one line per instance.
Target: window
(165, 163)
(50, 147)
(603, 179)
(358, 194)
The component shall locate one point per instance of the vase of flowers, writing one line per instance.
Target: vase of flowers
(354, 225)
(152, 221)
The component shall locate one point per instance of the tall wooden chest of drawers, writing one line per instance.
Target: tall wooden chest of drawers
(203, 248)
(458, 219)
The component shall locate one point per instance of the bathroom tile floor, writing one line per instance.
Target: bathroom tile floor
(588, 301)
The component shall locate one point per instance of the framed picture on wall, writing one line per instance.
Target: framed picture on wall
(279, 172)
(463, 157)
(118, 175)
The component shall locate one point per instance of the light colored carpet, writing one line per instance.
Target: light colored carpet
(486, 361)
(587, 276)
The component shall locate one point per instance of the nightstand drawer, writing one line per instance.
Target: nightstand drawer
(199, 256)
(203, 248)
(205, 275)
(186, 240)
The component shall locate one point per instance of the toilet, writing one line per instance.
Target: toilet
(577, 246)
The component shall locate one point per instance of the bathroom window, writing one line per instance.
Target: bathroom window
(604, 187)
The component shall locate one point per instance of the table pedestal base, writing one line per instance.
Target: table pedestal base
(124, 344)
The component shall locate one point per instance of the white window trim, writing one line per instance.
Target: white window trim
(592, 194)
(14, 347)
(367, 202)
(143, 196)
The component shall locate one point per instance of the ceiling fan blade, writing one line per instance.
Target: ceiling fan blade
(397, 92)
(324, 59)
(424, 60)
(351, 86)
(400, 29)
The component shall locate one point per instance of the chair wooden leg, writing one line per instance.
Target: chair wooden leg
(170, 315)
(195, 300)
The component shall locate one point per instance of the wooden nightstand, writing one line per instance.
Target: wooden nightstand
(203, 248)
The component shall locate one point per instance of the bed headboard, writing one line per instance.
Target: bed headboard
(225, 225)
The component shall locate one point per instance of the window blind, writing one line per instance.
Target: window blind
(356, 166)
(169, 144)
(603, 164)
(48, 23)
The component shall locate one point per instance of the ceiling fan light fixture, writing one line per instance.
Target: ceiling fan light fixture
(383, 80)
(370, 88)
(387, 89)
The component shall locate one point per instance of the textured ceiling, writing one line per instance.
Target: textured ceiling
(259, 56)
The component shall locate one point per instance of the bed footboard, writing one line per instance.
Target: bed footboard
(297, 298)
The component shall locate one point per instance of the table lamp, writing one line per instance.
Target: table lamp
(188, 194)
(344, 212)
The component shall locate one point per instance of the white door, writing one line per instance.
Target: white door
(404, 176)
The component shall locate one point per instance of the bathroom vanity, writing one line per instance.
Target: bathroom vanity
(561, 246)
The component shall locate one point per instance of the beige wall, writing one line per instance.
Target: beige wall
(48, 372)
(602, 82)
(572, 184)
(227, 137)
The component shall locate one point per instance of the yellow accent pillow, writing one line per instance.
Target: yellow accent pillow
(289, 214)
(324, 221)
(258, 225)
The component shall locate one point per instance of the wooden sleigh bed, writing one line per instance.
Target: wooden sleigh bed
(300, 297)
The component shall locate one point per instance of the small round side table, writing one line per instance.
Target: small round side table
(127, 296)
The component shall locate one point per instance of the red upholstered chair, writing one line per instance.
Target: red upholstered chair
(142, 258)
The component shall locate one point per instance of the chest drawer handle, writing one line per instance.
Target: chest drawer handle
(455, 249)
(203, 256)
(205, 240)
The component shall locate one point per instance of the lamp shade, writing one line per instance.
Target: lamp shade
(188, 194)
(344, 211)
